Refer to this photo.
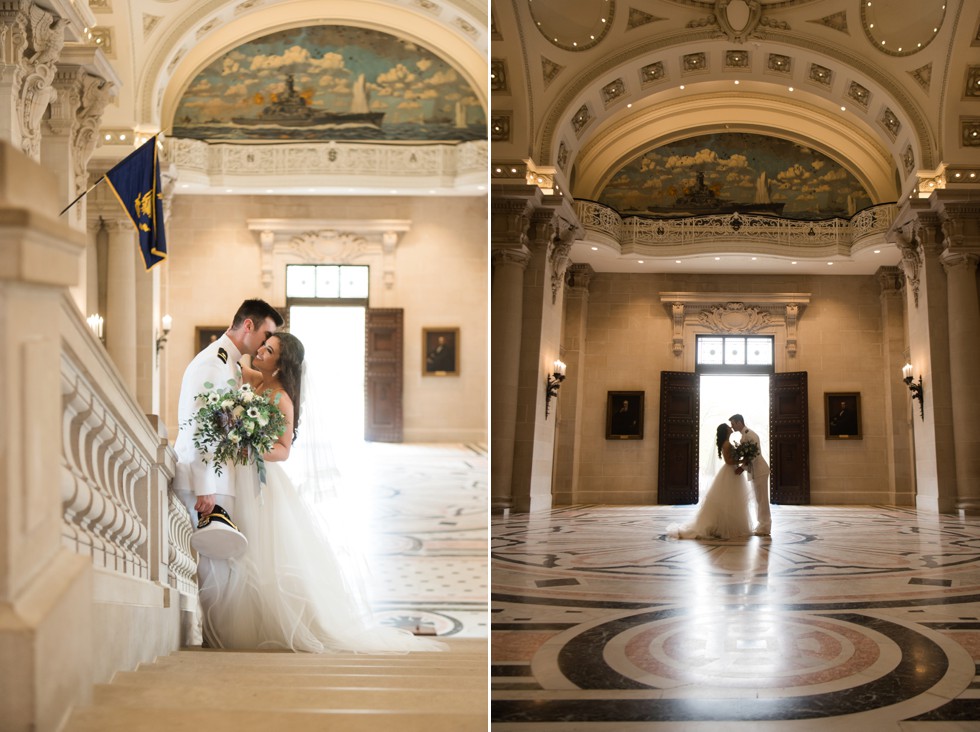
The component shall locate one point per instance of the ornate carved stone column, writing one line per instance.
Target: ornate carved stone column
(964, 358)
(507, 306)
(120, 317)
(897, 416)
(574, 332)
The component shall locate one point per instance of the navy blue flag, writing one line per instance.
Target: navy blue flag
(136, 183)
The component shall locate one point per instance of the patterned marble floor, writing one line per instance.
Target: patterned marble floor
(847, 618)
(424, 507)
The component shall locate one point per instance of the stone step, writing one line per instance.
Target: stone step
(298, 677)
(172, 719)
(202, 695)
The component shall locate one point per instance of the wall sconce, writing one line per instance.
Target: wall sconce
(96, 322)
(915, 387)
(552, 385)
(166, 323)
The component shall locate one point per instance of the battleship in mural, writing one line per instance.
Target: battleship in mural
(292, 110)
(700, 200)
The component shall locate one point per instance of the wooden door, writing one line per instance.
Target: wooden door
(680, 408)
(789, 438)
(383, 365)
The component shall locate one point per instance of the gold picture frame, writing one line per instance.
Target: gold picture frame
(440, 351)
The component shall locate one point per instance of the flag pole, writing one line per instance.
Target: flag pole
(82, 195)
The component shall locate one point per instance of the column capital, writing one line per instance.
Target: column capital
(519, 255)
(889, 280)
(579, 277)
(956, 260)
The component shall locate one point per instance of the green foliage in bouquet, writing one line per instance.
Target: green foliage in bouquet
(236, 425)
(746, 452)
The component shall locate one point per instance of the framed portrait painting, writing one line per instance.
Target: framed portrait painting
(624, 415)
(843, 415)
(440, 351)
(205, 335)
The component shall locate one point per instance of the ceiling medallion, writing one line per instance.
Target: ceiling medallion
(738, 18)
(572, 25)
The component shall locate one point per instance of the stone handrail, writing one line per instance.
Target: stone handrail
(116, 469)
(766, 234)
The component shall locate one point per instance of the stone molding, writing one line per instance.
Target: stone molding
(519, 255)
(734, 313)
(338, 241)
(562, 236)
(338, 163)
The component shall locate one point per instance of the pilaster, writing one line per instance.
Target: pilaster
(572, 392)
(898, 418)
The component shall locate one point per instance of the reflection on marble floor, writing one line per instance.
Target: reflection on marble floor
(864, 618)
(424, 509)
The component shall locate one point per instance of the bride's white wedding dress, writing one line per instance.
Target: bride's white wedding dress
(723, 512)
(289, 590)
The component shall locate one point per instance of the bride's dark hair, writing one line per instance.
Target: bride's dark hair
(721, 435)
(291, 355)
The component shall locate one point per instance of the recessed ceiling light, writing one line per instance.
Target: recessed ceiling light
(640, 261)
(792, 262)
(791, 89)
(677, 261)
(830, 264)
(754, 258)
(682, 86)
(630, 105)
(877, 251)
(736, 82)
(843, 109)
(595, 249)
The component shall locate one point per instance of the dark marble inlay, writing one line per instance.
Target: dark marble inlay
(953, 625)
(958, 710)
(557, 582)
(531, 626)
(510, 669)
(922, 665)
(570, 602)
(931, 582)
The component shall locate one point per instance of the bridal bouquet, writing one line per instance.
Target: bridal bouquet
(236, 425)
(746, 452)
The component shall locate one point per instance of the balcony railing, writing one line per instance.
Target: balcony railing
(741, 231)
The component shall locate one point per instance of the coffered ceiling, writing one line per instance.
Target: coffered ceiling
(889, 90)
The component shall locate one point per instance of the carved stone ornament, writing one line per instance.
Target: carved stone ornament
(734, 317)
(563, 234)
(909, 244)
(719, 312)
(38, 37)
(94, 94)
(334, 241)
(738, 19)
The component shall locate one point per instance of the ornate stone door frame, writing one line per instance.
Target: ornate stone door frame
(335, 241)
(734, 313)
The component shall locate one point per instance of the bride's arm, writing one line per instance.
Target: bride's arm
(728, 453)
(249, 375)
(280, 451)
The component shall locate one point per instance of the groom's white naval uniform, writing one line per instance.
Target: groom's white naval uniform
(759, 479)
(216, 364)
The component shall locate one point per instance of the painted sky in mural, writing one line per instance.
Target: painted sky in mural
(330, 82)
(725, 172)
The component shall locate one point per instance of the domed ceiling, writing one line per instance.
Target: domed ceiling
(329, 82)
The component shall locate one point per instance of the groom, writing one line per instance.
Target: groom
(195, 482)
(758, 477)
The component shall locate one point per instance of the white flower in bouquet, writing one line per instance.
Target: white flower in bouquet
(235, 425)
(746, 452)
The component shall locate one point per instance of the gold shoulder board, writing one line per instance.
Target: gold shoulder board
(223, 355)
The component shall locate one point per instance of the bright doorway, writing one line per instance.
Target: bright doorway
(334, 339)
(723, 395)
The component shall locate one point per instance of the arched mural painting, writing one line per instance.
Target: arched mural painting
(329, 83)
(727, 172)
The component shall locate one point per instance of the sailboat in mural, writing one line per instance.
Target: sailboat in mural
(292, 110)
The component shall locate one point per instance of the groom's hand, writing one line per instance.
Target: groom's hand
(205, 504)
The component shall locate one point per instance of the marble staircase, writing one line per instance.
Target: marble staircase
(220, 691)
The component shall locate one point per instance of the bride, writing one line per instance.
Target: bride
(290, 589)
(724, 511)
